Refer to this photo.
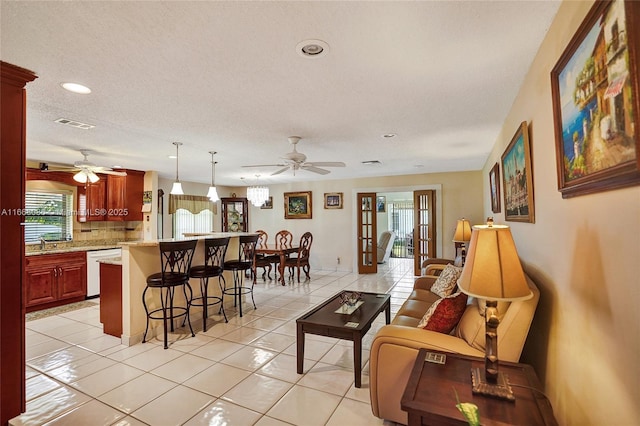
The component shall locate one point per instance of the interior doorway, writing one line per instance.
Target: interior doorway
(410, 212)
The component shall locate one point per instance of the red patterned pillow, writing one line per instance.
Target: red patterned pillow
(445, 313)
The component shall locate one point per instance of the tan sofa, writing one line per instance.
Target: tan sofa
(395, 346)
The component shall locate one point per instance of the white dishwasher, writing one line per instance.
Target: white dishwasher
(93, 269)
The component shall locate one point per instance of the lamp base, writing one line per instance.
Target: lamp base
(501, 389)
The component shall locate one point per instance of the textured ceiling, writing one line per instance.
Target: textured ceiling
(226, 76)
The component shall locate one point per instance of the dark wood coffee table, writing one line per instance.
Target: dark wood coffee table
(324, 321)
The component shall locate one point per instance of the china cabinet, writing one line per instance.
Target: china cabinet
(235, 215)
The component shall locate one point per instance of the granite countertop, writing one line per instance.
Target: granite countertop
(54, 250)
(111, 260)
(187, 236)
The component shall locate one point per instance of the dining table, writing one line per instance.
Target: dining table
(282, 252)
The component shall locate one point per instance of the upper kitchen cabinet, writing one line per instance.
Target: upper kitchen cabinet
(124, 196)
(235, 215)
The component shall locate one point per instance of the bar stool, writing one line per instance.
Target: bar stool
(239, 266)
(175, 263)
(214, 252)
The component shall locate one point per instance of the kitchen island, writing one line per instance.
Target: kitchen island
(141, 259)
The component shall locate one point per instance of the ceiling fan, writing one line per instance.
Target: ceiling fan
(86, 170)
(295, 160)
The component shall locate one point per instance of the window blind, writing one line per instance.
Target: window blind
(185, 221)
(48, 215)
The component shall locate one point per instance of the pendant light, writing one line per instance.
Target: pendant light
(176, 189)
(213, 193)
(257, 194)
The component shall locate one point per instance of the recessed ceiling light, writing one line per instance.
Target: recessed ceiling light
(76, 88)
(173, 157)
(389, 135)
(312, 48)
(73, 123)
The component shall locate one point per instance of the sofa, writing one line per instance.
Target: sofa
(395, 346)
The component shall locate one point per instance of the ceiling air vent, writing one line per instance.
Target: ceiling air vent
(372, 163)
(75, 124)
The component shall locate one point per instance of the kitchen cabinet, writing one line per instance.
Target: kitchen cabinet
(54, 279)
(235, 215)
(113, 198)
(111, 298)
(124, 196)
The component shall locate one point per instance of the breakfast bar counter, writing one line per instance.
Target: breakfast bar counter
(141, 259)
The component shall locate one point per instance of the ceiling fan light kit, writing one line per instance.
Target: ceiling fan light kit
(83, 175)
(176, 189)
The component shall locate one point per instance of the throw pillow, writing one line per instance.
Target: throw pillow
(445, 313)
(446, 281)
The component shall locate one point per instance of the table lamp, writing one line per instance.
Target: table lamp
(493, 272)
(462, 235)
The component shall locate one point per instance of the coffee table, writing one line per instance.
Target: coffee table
(324, 321)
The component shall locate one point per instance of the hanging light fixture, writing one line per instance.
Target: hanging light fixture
(257, 194)
(83, 175)
(213, 192)
(176, 189)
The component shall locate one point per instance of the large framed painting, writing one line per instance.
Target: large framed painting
(517, 178)
(494, 187)
(596, 102)
(297, 205)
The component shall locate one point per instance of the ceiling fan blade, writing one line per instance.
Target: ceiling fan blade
(266, 165)
(314, 169)
(326, 164)
(60, 169)
(111, 172)
(277, 172)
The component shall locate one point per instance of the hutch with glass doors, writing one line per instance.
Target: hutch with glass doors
(235, 215)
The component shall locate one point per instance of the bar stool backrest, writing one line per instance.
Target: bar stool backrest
(175, 258)
(215, 250)
(247, 248)
(284, 239)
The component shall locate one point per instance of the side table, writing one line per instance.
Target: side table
(429, 397)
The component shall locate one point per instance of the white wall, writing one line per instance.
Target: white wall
(583, 251)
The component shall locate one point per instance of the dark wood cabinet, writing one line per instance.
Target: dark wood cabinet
(235, 215)
(13, 129)
(114, 198)
(54, 279)
(111, 298)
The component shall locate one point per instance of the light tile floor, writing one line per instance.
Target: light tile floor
(237, 373)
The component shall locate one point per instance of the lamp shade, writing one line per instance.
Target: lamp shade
(176, 189)
(493, 270)
(213, 194)
(463, 231)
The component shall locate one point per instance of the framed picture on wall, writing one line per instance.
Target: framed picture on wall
(494, 187)
(381, 204)
(297, 205)
(333, 200)
(517, 179)
(596, 103)
(268, 204)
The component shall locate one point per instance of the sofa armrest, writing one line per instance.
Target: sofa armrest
(393, 353)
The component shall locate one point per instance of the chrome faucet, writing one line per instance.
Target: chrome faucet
(42, 243)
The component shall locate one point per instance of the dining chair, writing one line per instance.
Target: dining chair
(301, 260)
(284, 239)
(261, 261)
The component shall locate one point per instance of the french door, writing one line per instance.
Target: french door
(423, 227)
(367, 233)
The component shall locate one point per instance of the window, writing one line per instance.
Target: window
(48, 215)
(185, 221)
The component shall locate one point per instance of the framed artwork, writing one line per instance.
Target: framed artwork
(517, 179)
(494, 186)
(596, 102)
(333, 200)
(268, 204)
(297, 205)
(381, 204)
